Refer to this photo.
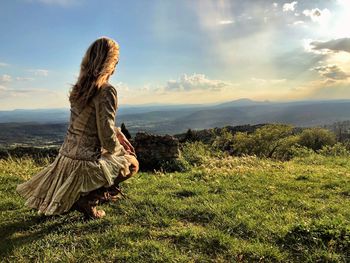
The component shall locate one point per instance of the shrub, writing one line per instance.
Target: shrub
(264, 142)
(223, 141)
(301, 151)
(337, 149)
(285, 150)
(316, 138)
(196, 153)
(175, 165)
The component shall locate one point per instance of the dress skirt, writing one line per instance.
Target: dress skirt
(59, 185)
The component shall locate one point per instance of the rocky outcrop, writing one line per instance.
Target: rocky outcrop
(156, 152)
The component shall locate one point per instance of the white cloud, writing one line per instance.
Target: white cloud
(6, 78)
(308, 47)
(40, 72)
(261, 81)
(317, 15)
(299, 22)
(121, 86)
(226, 22)
(289, 6)
(11, 92)
(195, 82)
(24, 79)
(2, 64)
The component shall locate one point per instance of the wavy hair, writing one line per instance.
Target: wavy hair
(97, 66)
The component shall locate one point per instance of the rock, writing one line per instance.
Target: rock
(153, 151)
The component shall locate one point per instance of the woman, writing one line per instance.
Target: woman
(95, 155)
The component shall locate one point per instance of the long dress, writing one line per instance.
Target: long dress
(89, 158)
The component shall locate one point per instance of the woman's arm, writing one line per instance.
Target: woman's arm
(106, 105)
(124, 141)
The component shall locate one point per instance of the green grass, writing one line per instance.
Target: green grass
(230, 210)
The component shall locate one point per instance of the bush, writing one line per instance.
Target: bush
(337, 149)
(264, 142)
(299, 151)
(223, 141)
(285, 149)
(196, 153)
(176, 165)
(316, 138)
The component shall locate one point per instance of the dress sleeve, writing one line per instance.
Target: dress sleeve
(106, 108)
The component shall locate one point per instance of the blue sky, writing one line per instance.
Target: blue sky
(177, 52)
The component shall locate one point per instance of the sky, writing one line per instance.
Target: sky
(177, 51)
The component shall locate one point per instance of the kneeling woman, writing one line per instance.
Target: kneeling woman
(95, 156)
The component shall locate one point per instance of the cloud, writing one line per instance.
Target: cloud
(299, 22)
(11, 92)
(317, 15)
(323, 89)
(2, 64)
(261, 81)
(331, 72)
(40, 72)
(6, 78)
(24, 79)
(335, 45)
(226, 22)
(289, 6)
(195, 82)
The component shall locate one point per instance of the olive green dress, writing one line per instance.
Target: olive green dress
(89, 158)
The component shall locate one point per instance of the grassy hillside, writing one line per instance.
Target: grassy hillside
(231, 210)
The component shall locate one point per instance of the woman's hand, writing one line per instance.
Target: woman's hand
(134, 164)
(125, 142)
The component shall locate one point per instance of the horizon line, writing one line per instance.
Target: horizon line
(156, 104)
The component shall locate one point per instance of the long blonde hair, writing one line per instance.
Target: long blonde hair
(97, 66)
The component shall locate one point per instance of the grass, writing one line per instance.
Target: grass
(225, 210)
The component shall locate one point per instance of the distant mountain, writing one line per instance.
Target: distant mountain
(303, 114)
(174, 119)
(35, 115)
(242, 102)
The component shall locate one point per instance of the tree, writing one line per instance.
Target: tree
(125, 131)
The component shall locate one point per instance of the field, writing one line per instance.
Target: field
(236, 209)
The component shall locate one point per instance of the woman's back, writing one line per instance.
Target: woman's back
(88, 124)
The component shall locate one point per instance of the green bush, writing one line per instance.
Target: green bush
(178, 165)
(223, 141)
(285, 149)
(337, 149)
(196, 153)
(316, 138)
(298, 151)
(264, 142)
